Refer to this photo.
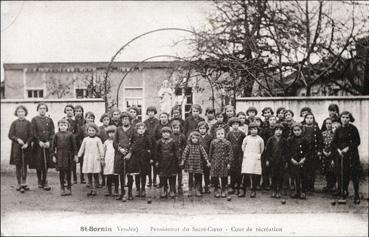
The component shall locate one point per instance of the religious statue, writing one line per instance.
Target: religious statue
(166, 97)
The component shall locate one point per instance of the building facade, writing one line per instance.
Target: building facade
(130, 83)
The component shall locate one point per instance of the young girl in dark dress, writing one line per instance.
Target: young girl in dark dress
(166, 158)
(314, 137)
(43, 131)
(64, 152)
(80, 122)
(236, 136)
(123, 140)
(138, 165)
(251, 113)
(229, 113)
(346, 141)
(180, 140)
(20, 133)
(276, 158)
(69, 111)
(280, 114)
(193, 159)
(298, 151)
(151, 122)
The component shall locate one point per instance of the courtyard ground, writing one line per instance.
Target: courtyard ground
(38, 212)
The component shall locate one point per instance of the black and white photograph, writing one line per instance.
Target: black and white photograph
(184, 118)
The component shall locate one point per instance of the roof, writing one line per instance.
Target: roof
(101, 65)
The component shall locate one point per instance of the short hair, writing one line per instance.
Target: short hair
(352, 119)
(203, 124)
(280, 109)
(165, 129)
(20, 107)
(219, 113)
(210, 110)
(164, 113)
(92, 125)
(42, 104)
(176, 122)
(196, 106)
(241, 113)
(112, 110)
(251, 109)
(63, 121)
(278, 126)
(68, 106)
(104, 115)
(258, 119)
(334, 107)
(233, 120)
(111, 128)
(253, 125)
(288, 111)
(193, 134)
(218, 129)
(151, 108)
(140, 124)
(79, 107)
(89, 113)
(125, 114)
(266, 109)
(176, 107)
(134, 108)
(297, 125)
(304, 109)
(228, 107)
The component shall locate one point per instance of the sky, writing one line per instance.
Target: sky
(41, 31)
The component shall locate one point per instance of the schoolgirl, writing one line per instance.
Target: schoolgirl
(111, 177)
(252, 147)
(210, 117)
(205, 140)
(329, 157)
(80, 122)
(64, 153)
(92, 151)
(251, 112)
(138, 164)
(69, 111)
(244, 123)
(236, 136)
(220, 157)
(280, 114)
(177, 115)
(123, 140)
(105, 120)
(193, 159)
(115, 115)
(134, 111)
(333, 111)
(43, 131)
(219, 124)
(180, 140)
(166, 159)
(20, 133)
(229, 113)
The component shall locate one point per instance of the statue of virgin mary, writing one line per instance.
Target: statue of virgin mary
(166, 97)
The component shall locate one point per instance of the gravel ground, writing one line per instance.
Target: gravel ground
(37, 205)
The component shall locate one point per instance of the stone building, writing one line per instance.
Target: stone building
(140, 86)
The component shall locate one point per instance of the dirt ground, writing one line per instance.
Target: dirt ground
(38, 202)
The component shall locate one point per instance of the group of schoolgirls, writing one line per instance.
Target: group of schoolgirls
(258, 153)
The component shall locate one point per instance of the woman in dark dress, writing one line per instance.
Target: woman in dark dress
(43, 132)
(20, 134)
(346, 141)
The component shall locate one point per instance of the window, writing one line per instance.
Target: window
(134, 98)
(188, 98)
(81, 93)
(35, 93)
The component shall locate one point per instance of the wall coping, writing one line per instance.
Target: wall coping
(72, 100)
(365, 97)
